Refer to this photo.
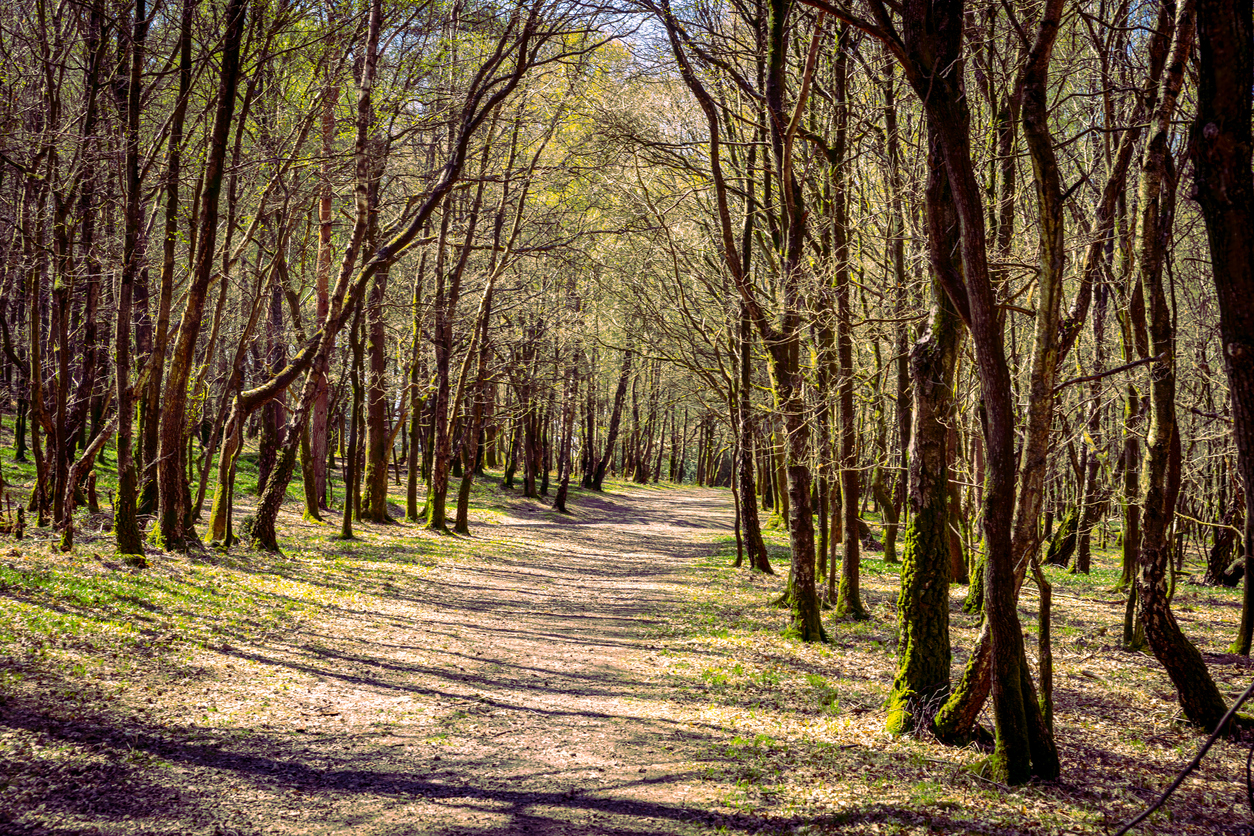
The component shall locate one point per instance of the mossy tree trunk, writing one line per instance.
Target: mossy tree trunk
(923, 651)
(932, 35)
(1219, 555)
(126, 526)
(1063, 544)
(220, 528)
(172, 531)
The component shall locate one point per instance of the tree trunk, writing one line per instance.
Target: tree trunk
(751, 526)
(923, 652)
(848, 603)
(570, 392)
(375, 478)
(172, 531)
(616, 415)
(447, 295)
(352, 455)
(318, 429)
(1024, 747)
(125, 523)
(1200, 700)
(479, 394)
(1221, 143)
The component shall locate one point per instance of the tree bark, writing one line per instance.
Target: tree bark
(444, 311)
(751, 526)
(922, 681)
(932, 51)
(318, 430)
(417, 401)
(479, 393)
(172, 531)
(1221, 143)
(125, 524)
(616, 416)
(1160, 477)
(570, 391)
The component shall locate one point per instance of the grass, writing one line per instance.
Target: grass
(64, 613)
(808, 719)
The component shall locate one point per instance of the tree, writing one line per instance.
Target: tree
(1221, 143)
(173, 531)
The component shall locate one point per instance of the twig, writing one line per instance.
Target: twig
(1193, 764)
(997, 784)
(1108, 372)
(1214, 416)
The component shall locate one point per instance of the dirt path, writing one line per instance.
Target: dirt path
(513, 696)
(551, 721)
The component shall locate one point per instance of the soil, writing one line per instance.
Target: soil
(504, 696)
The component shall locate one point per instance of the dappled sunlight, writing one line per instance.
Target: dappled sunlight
(608, 673)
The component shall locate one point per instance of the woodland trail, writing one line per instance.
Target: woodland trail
(507, 696)
(549, 715)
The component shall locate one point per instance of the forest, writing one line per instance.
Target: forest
(933, 319)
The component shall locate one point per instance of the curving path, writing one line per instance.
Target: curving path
(509, 697)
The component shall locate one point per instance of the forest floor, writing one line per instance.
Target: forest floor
(605, 672)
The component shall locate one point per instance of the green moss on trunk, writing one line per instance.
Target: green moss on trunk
(922, 680)
(1063, 543)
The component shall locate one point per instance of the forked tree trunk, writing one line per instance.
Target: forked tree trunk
(496, 80)
(1024, 747)
(780, 333)
(447, 295)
